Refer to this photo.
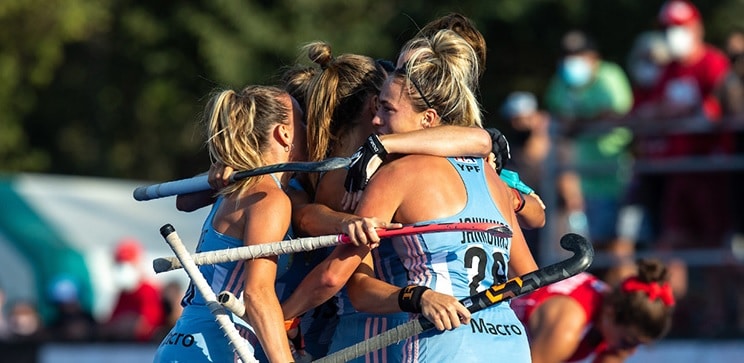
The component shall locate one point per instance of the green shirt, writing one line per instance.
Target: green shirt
(604, 154)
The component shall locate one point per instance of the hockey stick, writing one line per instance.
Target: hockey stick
(164, 264)
(200, 182)
(583, 254)
(231, 302)
(219, 312)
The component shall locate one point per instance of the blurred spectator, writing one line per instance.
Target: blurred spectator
(530, 140)
(690, 83)
(734, 48)
(24, 323)
(584, 95)
(71, 322)
(529, 145)
(138, 312)
(171, 296)
(647, 58)
(4, 326)
(732, 95)
(638, 217)
(696, 209)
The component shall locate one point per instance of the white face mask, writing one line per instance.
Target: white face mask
(576, 71)
(680, 41)
(126, 276)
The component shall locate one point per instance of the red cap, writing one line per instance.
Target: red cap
(678, 12)
(128, 250)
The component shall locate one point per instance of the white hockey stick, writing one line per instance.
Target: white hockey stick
(219, 312)
(200, 182)
(163, 264)
(232, 303)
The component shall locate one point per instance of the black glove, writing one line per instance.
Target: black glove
(500, 148)
(364, 164)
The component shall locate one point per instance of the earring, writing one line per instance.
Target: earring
(286, 148)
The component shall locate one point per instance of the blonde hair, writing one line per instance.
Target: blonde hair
(239, 127)
(443, 70)
(336, 96)
(465, 28)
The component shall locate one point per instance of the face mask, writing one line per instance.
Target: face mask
(575, 71)
(680, 41)
(126, 276)
(645, 74)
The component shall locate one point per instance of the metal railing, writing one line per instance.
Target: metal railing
(732, 250)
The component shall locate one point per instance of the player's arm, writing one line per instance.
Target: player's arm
(218, 177)
(442, 140)
(262, 307)
(384, 195)
(371, 295)
(555, 329)
(323, 217)
(531, 215)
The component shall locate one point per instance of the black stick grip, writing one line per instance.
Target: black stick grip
(166, 230)
(583, 255)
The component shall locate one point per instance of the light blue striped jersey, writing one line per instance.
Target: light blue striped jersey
(227, 276)
(459, 263)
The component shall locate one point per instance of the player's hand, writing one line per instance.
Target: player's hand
(499, 148)
(364, 164)
(445, 311)
(219, 175)
(363, 230)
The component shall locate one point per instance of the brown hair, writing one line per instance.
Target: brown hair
(652, 315)
(239, 127)
(336, 96)
(296, 81)
(465, 28)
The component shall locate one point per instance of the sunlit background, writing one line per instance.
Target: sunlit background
(100, 96)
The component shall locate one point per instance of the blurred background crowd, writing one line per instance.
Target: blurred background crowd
(626, 117)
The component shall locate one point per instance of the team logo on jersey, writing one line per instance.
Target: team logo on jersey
(468, 165)
(481, 326)
(465, 160)
(176, 338)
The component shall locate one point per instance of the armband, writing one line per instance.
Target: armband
(291, 323)
(409, 298)
(521, 200)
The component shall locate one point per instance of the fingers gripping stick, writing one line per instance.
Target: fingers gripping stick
(200, 182)
(223, 319)
(164, 264)
(583, 254)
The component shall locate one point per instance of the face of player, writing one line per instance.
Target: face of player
(395, 112)
(620, 337)
(298, 130)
